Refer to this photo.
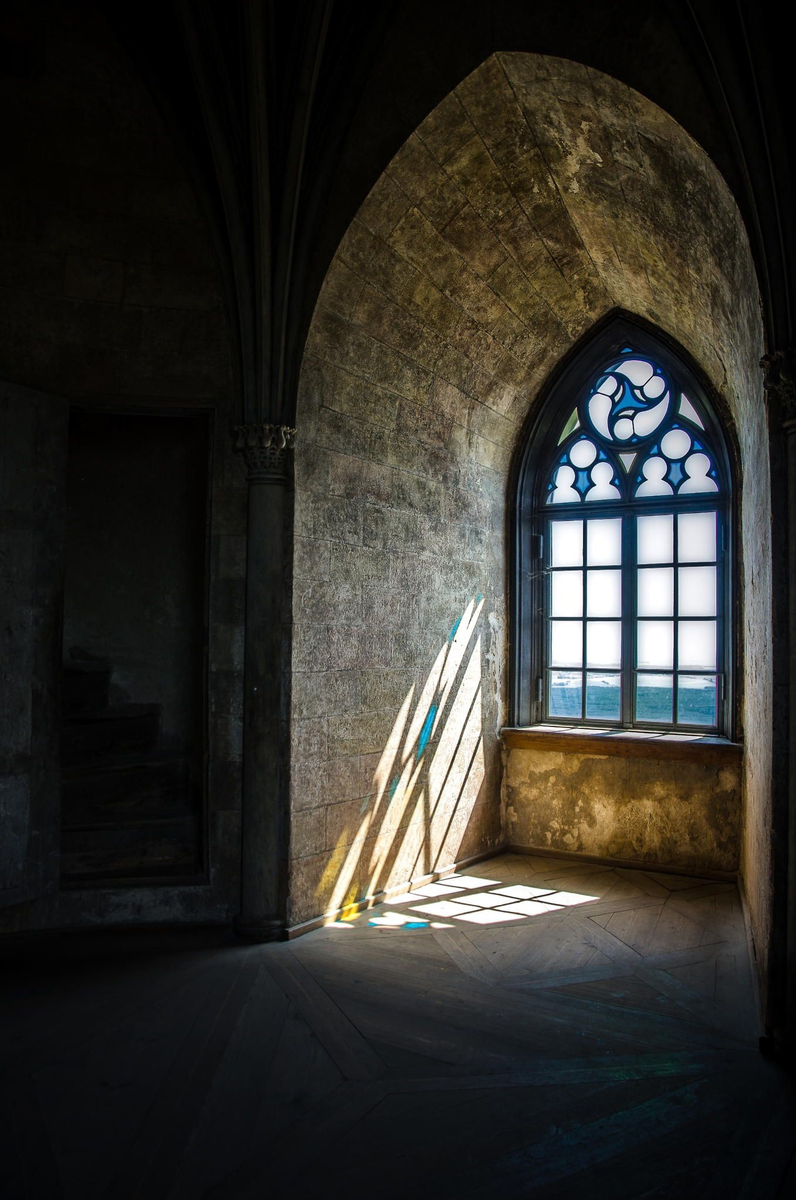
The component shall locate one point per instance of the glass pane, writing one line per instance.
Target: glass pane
(656, 592)
(567, 543)
(696, 468)
(603, 697)
(654, 698)
(676, 443)
(688, 411)
(603, 644)
(654, 471)
(638, 370)
(566, 594)
(654, 388)
(696, 537)
(655, 644)
(696, 592)
(564, 492)
(648, 420)
(696, 645)
(565, 694)
(604, 594)
(583, 453)
(566, 643)
(571, 425)
(602, 474)
(655, 539)
(696, 699)
(604, 543)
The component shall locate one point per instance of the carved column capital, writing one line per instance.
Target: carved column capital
(265, 450)
(779, 381)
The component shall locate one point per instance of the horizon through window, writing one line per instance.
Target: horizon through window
(629, 528)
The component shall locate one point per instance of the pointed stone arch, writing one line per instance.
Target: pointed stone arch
(536, 198)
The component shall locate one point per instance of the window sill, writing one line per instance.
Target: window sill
(685, 747)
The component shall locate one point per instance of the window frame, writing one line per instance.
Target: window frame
(530, 544)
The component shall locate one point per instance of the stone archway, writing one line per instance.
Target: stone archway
(537, 197)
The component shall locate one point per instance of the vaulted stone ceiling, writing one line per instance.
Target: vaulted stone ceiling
(535, 198)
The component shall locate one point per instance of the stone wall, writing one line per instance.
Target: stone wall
(534, 199)
(110, 296)
(685, 815)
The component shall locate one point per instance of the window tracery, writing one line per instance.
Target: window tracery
(626, 519)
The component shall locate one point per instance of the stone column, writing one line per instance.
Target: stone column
(780, 385)
(264, 835)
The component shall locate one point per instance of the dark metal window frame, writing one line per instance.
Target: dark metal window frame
(531, 550)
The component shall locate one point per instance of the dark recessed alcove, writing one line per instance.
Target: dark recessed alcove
(132, 747)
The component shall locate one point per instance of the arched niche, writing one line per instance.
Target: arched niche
(535, 199)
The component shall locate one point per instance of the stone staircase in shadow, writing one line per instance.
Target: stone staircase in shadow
(129, 811)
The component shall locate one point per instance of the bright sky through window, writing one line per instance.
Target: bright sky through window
(630, 509)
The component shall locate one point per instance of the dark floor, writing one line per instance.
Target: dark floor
(590, 1032)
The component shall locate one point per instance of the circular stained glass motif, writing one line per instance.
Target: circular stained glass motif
(634, 434)
(583, 453)
(629, 402)
(676, 443)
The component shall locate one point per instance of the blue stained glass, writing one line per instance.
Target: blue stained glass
(628, 402)
(633, 403)
(634, 412)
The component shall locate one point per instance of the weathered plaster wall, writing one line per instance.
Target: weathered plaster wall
(535, 198)
(110, 296)
(677, 814)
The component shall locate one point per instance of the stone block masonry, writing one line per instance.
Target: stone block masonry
(534, 199)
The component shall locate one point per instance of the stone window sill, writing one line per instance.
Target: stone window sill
(687, 747)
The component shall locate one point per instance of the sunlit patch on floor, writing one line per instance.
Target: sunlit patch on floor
(519, 891)
(529, 908)
(470, 881)
(487, 899)
(442, 908)
(489, 916)
(391, 920)
(434, 889)
(456, 898)
(568, 898)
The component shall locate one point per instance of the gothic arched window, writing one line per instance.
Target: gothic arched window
(622, 603)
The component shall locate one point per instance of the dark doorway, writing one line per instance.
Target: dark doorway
(132, 748)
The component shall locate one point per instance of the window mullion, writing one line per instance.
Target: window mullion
(543, 564)
(584, 622)
(675, 618)
(629, 605)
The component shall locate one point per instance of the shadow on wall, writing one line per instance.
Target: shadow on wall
(429, 778)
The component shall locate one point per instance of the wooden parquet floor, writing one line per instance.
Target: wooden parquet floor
(532, 1028)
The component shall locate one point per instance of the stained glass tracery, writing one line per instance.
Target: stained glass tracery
(635, 496)
(634, 435)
